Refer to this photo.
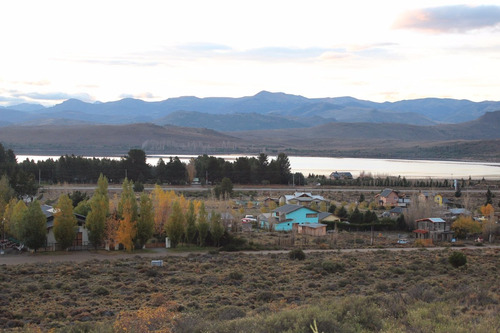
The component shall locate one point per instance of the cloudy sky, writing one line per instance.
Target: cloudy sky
(153, 50)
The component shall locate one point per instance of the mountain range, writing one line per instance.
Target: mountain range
(263, 111)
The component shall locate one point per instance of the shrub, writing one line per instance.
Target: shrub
(333, 267)
(297, 254)
(457, 259)
(235, 275)
(101, 291)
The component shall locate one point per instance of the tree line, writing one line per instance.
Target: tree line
(133, 166)
(125, 220)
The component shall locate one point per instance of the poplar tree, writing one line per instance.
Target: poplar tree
(202, 225)
(174, 228)
(99, 206)
(33, 227)
(190, 223)
(65, 224)
(145, 222)
(216, 227)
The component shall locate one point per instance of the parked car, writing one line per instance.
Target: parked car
(402, 241)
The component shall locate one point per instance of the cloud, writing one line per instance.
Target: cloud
(457, 18)
(143, 96)
(53, 96)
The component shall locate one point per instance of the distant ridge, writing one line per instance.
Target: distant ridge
(293, 110)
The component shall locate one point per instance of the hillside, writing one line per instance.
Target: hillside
(114, 139)
(451, 141)
(295, 111)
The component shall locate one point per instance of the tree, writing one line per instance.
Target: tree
(65, 224)
(136, 166)
(176, 171)
(16, 215)
(356, 217)
(226, 187)
(202, 225)
(77, 197)
(284, 168)
(190, 223)
(6, 192)
(465, 225)
(174, 228)
(216, 227)
(96, 218)
(489, 197)
(145, 222)
(128, 200)
(127, 229)
(33, 227)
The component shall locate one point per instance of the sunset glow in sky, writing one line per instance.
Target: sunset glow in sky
(154, 50)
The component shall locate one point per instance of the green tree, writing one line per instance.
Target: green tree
(6, 192)
(127, 199)
(489, 197)
(99, 207)
(65, 224)
(216, 227)
(145, 222)
(356, 216)
(174, 228)
(16, 215)
(284, 168)
(83, 208)
(190, 223)
(202, 226)
(33, 227)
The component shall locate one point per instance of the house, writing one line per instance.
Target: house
(312, 229)
(270, 202)
(434, 229)
(340, 175)
(286, 216)
(303, 199)
(396, 211)
(82, 236)
(388, 197)
(327, 217)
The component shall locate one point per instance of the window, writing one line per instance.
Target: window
(311, 215)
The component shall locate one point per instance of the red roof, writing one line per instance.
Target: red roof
(421, 231)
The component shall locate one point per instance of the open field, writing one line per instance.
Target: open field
(381, 290)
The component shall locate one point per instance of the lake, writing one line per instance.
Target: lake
(377, 167)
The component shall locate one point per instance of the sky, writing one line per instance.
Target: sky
(153, 50)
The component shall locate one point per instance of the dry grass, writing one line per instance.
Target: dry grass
(216, 289)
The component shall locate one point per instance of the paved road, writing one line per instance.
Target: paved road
(82, 256)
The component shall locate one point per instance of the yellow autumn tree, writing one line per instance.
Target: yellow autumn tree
(127, 229)
(464, 226)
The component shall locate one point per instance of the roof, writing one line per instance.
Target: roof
(386, 192)
(323, 215)
(313, 225)
(433, 220)
(396, 210)
(287, 208)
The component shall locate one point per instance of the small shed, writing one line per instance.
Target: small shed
(312, 229)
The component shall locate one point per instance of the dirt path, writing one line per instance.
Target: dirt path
(82, 256)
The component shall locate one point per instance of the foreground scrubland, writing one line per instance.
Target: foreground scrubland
(385, 291)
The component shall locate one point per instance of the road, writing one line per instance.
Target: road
(82, 256)
(258, 189)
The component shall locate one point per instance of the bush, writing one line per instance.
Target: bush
(235, 275)
(457, 259)
(101, 291)
(333, 267)
(297, 254)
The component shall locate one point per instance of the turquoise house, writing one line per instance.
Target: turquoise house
(286, 216)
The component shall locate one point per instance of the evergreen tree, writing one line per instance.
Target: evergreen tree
(489, 197)
(33, 227)
(145, 222)
(65, 224)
